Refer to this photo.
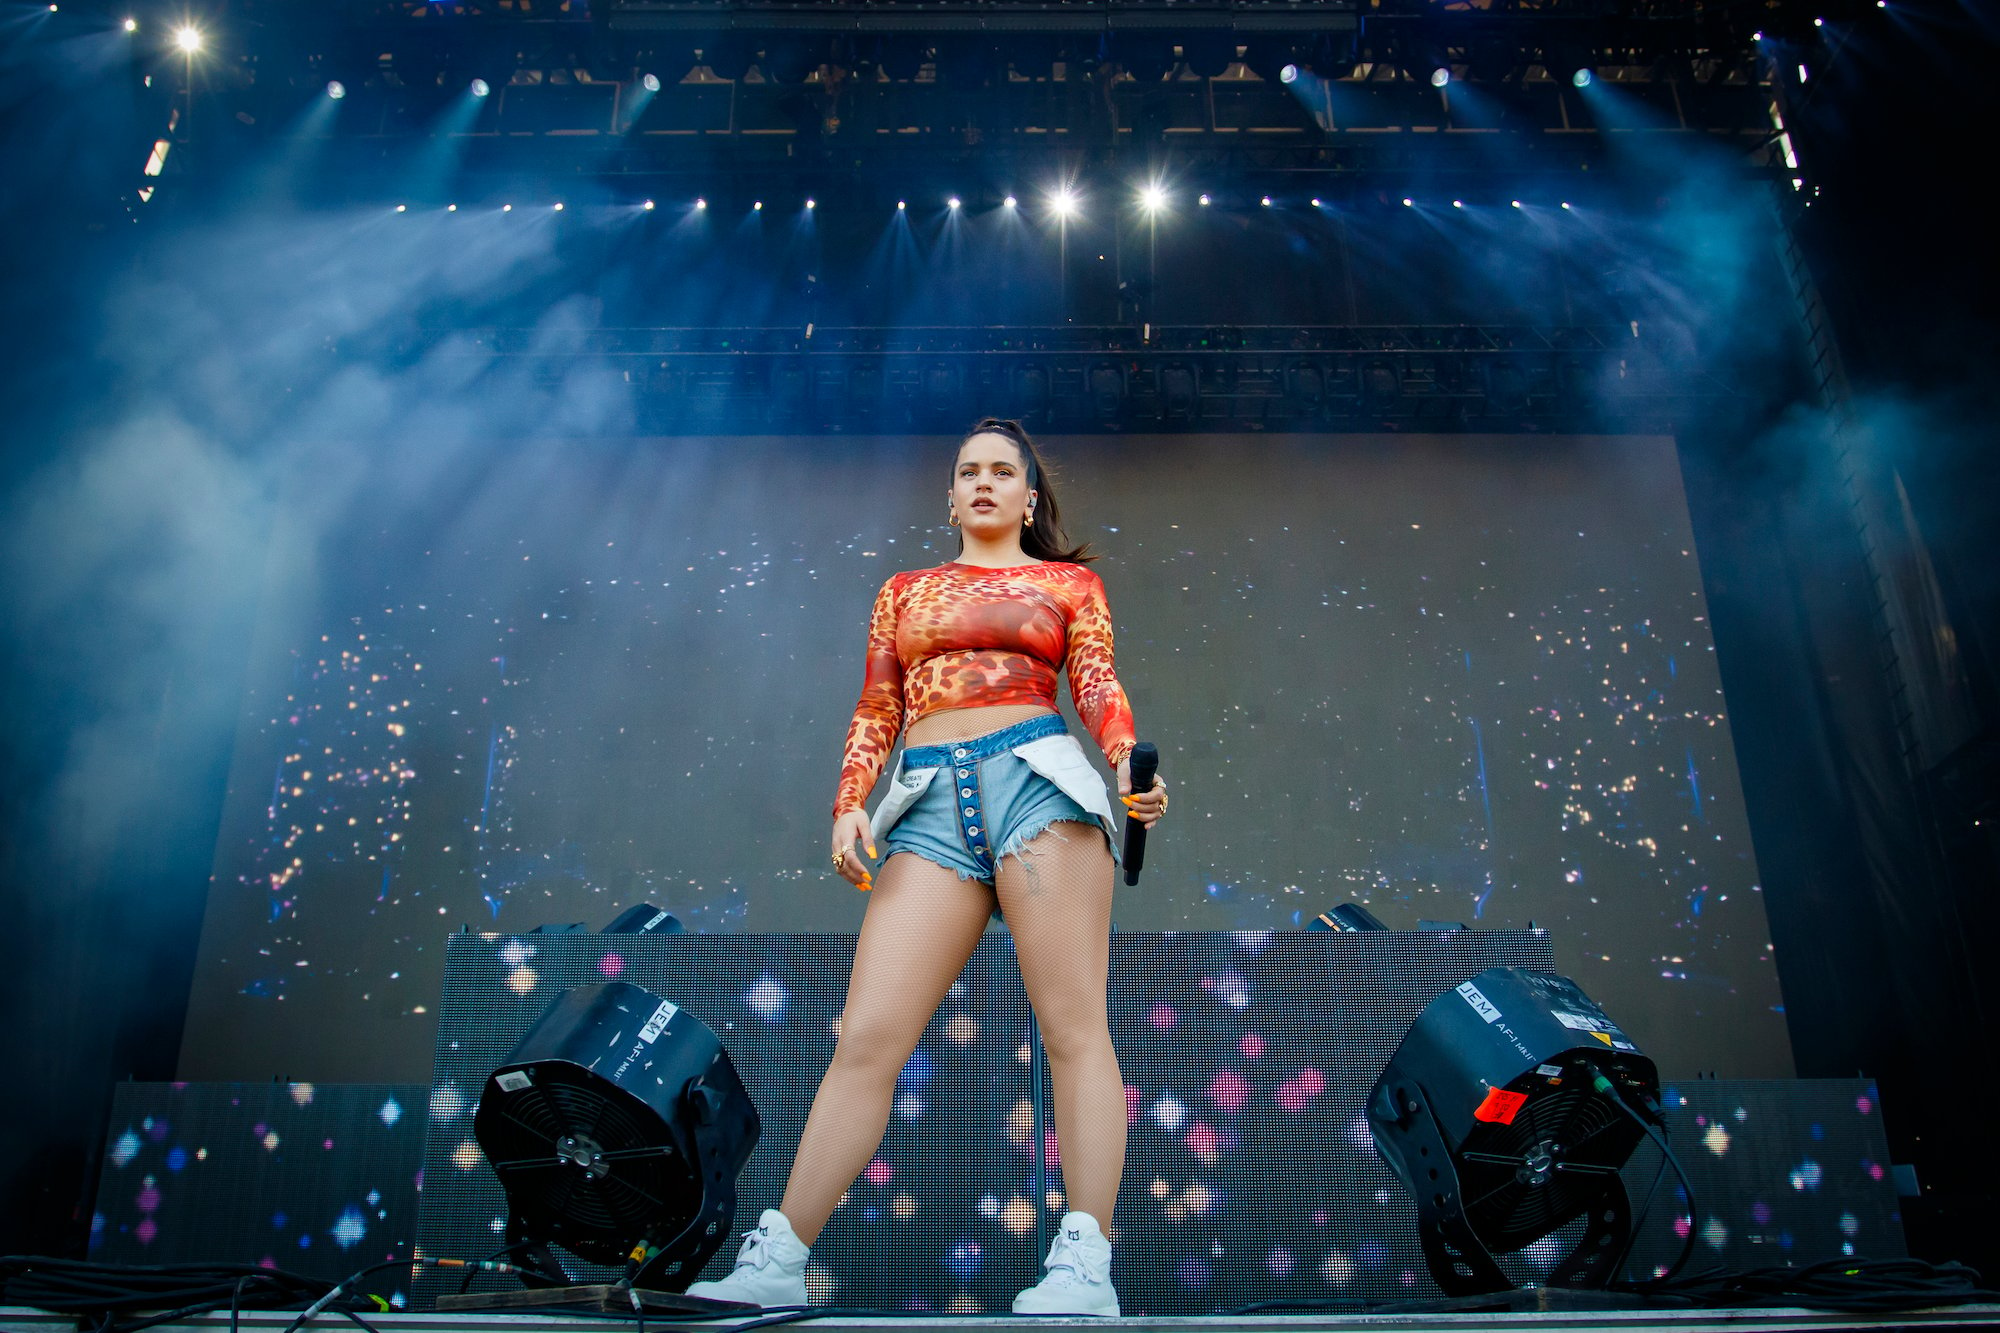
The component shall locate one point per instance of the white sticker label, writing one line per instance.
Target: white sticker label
(657, 919)
(658, 1022)
(1480, 1004)
(1549, 1071)
(1578, 1023)
(513, 1080)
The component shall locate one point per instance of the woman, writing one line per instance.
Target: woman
(992, 803)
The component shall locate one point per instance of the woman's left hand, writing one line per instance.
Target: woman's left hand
(1145, 806)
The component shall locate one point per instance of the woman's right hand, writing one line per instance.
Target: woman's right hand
(848, 831)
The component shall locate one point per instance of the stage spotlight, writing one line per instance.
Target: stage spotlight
(1508, 1111)
(336, 90)
(1009, 201)
(811, 204)
(1107, 390)
(1305, 386)
(506, 208)
(1582, 78)
(1566, 208)
(451, 208)
(1458, 203)
(617, 1127)
(1819, 23)
(954, 203)
(648, 205)
(1514, 203)
(757, 207)
(1409, 203)
(700, 205)
(1289, 74)
(559, 208)
(187, 38)
(1206, 201)
(1440, 77)
(480, 88)
(1032, 391)
(1154, 198)
(1756, 36)
(1180, 393)
(402, 208)
(650, 82)
(131, 25)
(1381, 386)
(1315, 202)
(1265, 201)
(1065, 202)
(900, 205)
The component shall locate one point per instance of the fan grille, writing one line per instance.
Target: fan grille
(1585, 1138)
(642, 1184)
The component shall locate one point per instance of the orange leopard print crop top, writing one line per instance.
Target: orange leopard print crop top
(963, 636)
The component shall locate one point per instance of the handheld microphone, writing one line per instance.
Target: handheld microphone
(1145, 766)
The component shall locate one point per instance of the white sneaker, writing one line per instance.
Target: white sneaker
(1078, 1273)
(770, 1268)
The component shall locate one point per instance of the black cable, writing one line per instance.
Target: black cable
(1331, 1304)
(1861, 1286)
(472, 1271)
(103, 1296)
(342, 1286)
(805, 1314)
(366, 1327)
(1648, 1123)
(1640, 1214)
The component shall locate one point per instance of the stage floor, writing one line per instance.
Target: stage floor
(1780, 1320)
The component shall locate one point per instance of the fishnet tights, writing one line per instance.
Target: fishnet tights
(922, 925)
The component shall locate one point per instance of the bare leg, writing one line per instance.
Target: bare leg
(922, 925)
(1056, 896)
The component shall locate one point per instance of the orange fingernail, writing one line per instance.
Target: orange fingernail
(871, 849)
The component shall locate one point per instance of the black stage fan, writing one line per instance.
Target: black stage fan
(1493, 1115)
(617, 1127)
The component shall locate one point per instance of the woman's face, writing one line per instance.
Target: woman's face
(989, 487)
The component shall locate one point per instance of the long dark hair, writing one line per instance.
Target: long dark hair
(1045, 539)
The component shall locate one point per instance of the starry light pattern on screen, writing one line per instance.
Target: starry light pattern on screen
(1453, 678)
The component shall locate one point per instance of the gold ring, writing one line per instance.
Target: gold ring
(1163, 803)
(840, 860)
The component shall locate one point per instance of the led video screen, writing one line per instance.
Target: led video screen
(1455, 678)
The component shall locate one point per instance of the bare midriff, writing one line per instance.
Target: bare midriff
(961, 724)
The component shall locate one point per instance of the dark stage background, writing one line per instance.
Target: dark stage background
(1457, 678)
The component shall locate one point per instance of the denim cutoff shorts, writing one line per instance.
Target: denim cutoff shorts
(966, 804)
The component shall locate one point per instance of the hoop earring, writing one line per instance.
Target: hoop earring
(953, 519)
(1029, 520)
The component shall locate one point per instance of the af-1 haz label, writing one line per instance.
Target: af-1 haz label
(1480, 1004)
(513, 1080)
(658, 1022)
(1578, 1023)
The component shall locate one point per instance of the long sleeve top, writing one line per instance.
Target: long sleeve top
(963, 636)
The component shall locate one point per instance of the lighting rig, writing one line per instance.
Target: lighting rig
(1076, 379)
(617, 87)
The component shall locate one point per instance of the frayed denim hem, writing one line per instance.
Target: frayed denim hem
(963, 875)
(1029, 832)
(1025, 835)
